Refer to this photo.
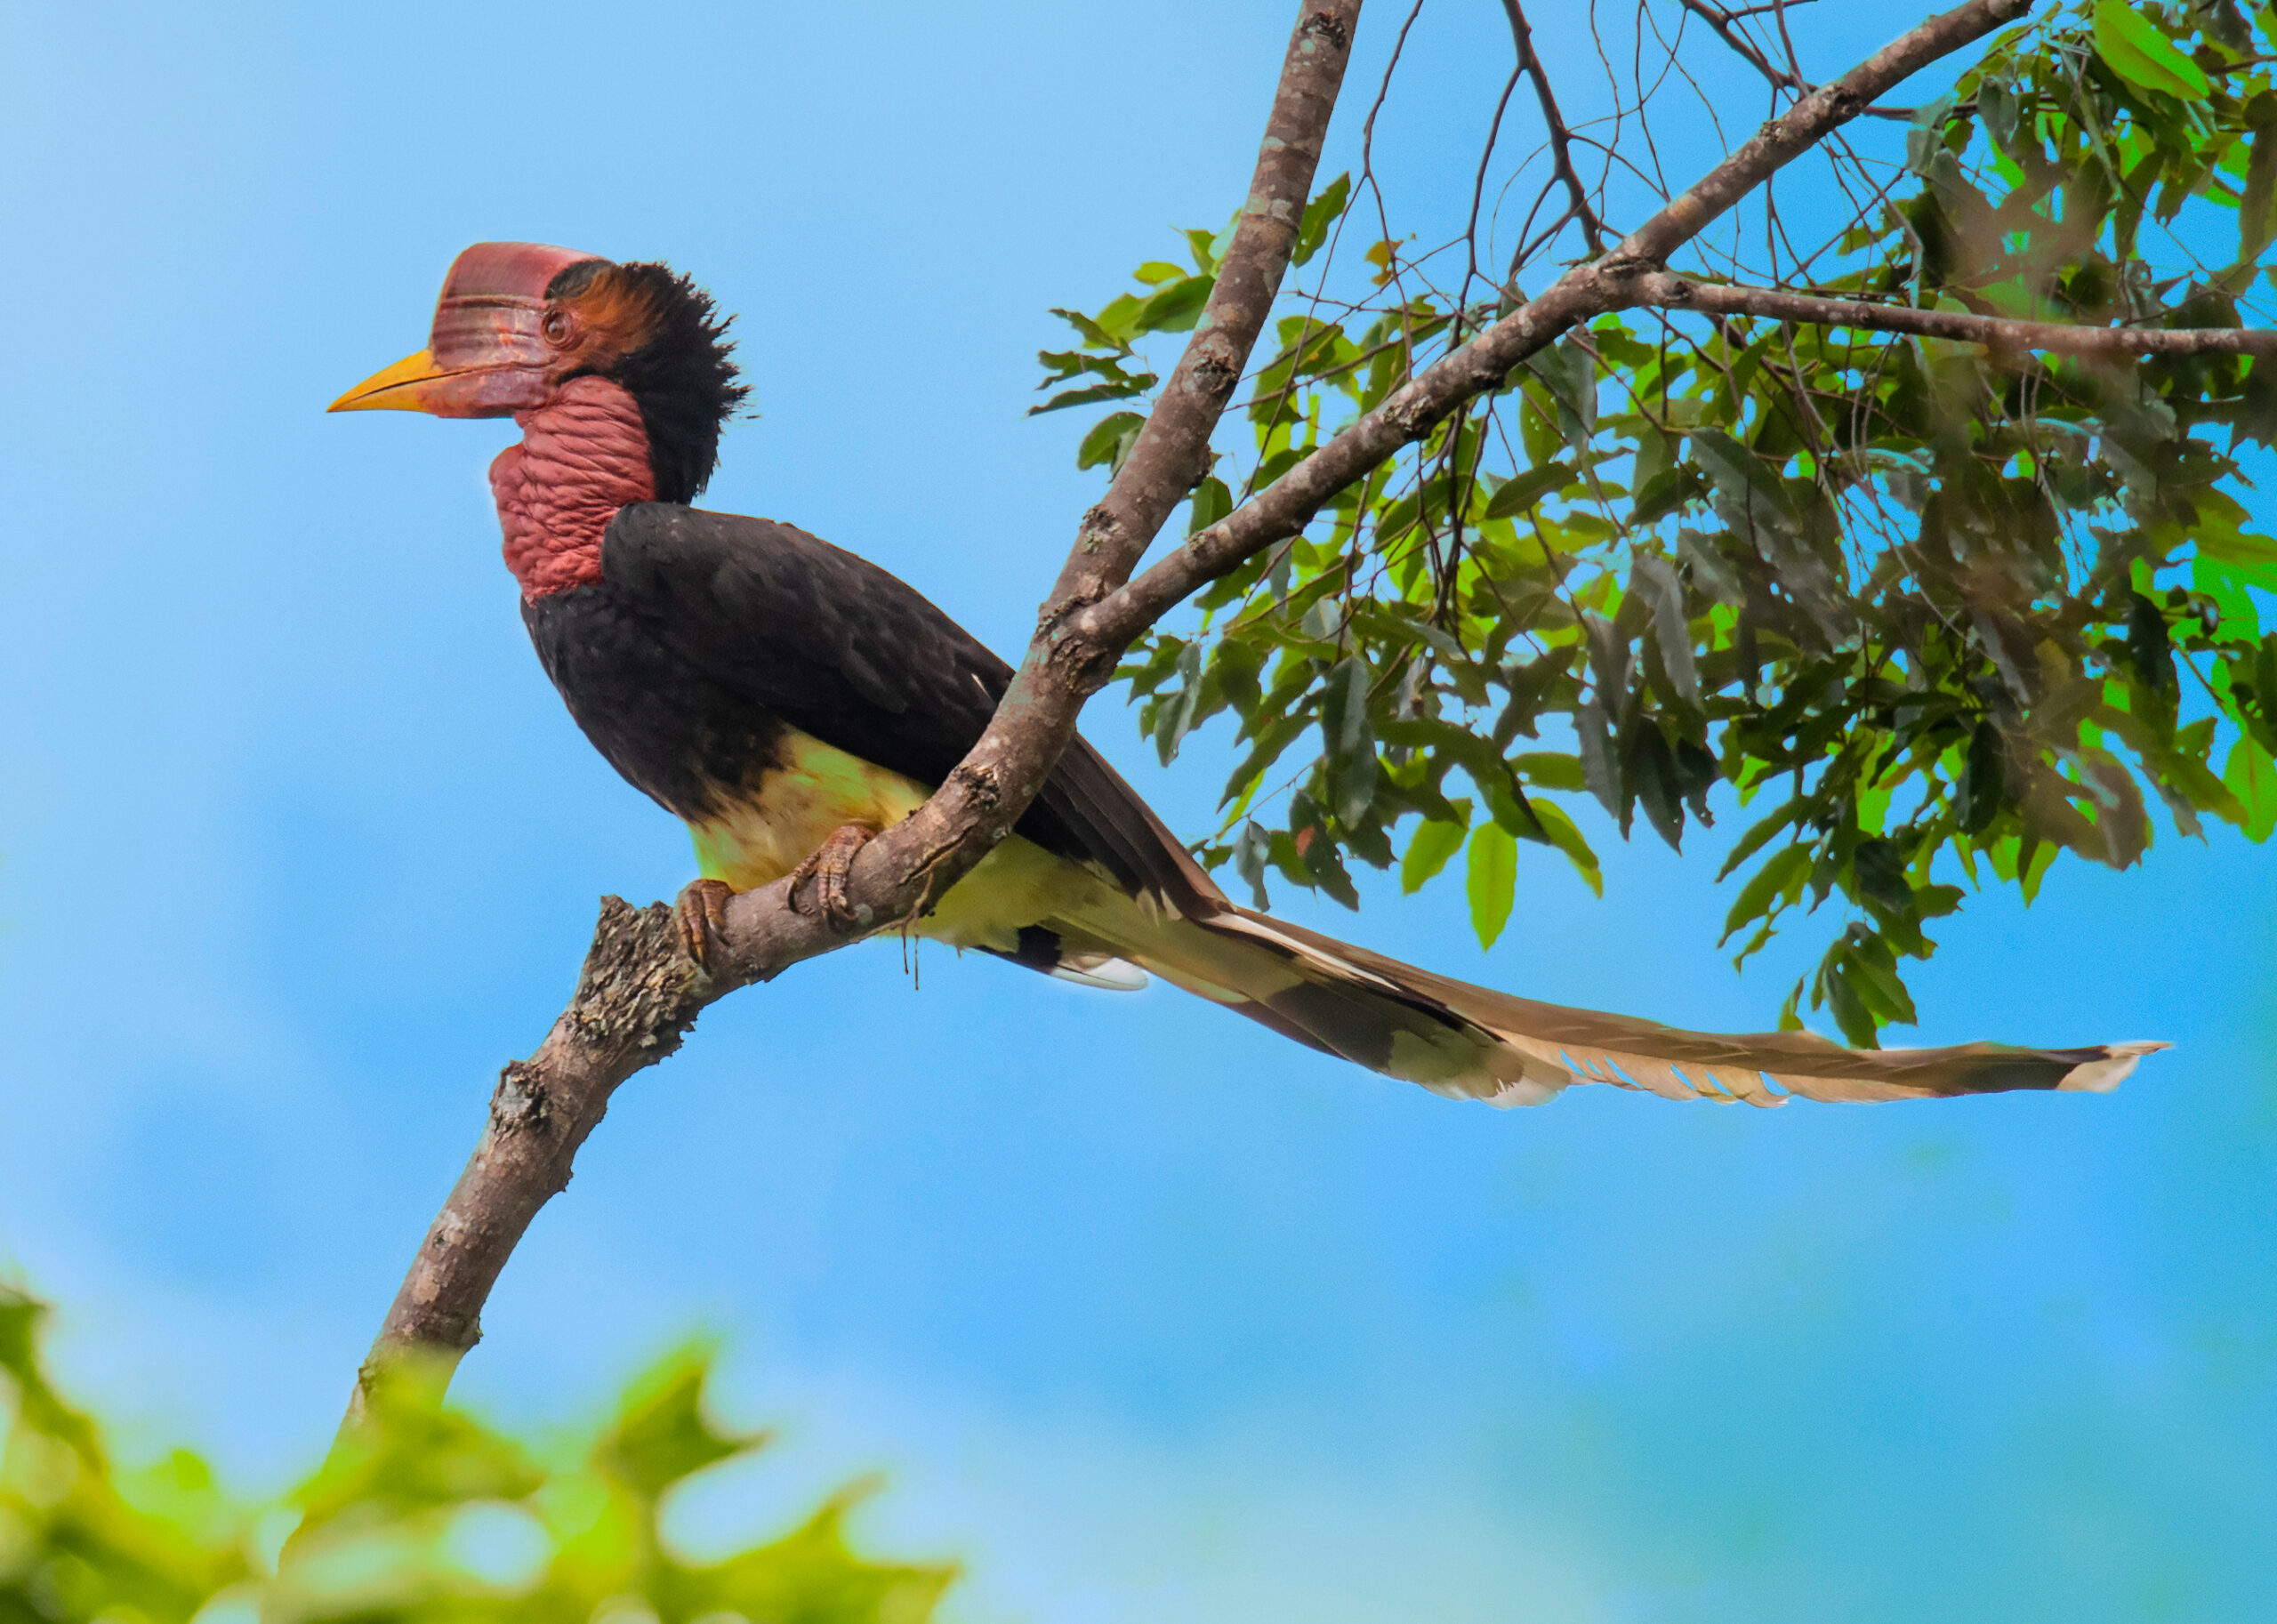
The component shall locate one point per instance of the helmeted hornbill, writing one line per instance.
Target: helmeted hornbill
(787, 699)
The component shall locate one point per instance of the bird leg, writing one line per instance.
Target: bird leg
(827, 865)
(700, 910)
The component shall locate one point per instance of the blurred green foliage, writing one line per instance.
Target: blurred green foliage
(1947, 613)
(423, 1517)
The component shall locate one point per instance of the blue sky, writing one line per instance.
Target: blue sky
(1144, 1312)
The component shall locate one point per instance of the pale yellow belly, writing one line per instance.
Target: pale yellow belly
(765, 834)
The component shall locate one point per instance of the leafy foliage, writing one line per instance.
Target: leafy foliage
(77, 1541)
(424, 1517)
(1934, 614)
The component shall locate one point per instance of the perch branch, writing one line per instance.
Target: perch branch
(639, 994)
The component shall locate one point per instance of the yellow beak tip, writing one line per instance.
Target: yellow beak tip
(393, 388)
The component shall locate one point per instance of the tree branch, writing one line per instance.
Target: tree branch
(1561, 139)
(1999, 332)
(639, 994)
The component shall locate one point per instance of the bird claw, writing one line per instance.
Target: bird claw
(700, 911)
(827, 865)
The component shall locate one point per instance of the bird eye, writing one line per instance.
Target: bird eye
(557, 327)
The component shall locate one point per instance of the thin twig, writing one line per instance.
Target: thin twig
(1561, 139)
(1723, 20)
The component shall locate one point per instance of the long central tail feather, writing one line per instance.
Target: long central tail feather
(1471, 1042)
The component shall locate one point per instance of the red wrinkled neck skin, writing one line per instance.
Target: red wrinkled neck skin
(583, 454)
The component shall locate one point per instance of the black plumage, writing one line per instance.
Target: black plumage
(710, 635)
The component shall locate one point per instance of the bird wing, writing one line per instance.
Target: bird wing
(854, 656)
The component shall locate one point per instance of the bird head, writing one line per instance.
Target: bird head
(516, 322)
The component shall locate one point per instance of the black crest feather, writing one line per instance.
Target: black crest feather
(683, 377)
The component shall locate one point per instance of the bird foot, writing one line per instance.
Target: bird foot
(700, 911)
(827, 865)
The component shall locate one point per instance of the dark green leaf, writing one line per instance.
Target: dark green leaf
(1671, 625)
(1872, 971)
(1350, 738)
(1517, 495)
(1982, 790)
(1648, 766)
(1850, 1012)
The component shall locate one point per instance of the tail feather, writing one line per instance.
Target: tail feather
(1471, 1042)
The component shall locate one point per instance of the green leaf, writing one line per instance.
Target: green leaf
(2240, 549)
(1780, 880)
(1982, 792)
(661, 1435)
(1211, 502)
(1321, 213)
(1517, 495)
(1110, 441)
(1430, 848)
(1567, 837)
(1350, 741)
(1494, 881)
(1850, 1012)
(1117, 321)
(1092, 394)
(1092, 332)
(2131, 45)
(1873, 972)
(1173, 309)
(1759, 834)
(2257, 200)
(1548, 769)
(2251, 776)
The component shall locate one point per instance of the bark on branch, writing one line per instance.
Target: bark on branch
(639, 995)
(1997, 331)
